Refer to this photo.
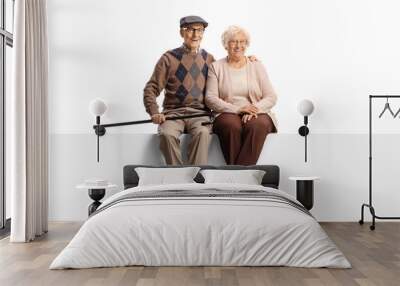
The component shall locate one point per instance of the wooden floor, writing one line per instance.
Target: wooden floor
(374, 255)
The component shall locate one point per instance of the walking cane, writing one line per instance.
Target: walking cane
(100, 129)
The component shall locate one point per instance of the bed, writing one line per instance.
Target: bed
(201, 224)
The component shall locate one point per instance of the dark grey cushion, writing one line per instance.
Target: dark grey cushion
(270, 179)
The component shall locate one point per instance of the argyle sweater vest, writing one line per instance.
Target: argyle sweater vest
(182, 76)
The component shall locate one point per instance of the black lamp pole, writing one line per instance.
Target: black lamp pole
(100, 131)
(304, 131)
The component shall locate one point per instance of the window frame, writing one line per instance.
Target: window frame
(6, 39)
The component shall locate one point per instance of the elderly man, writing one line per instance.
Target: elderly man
(182, 74)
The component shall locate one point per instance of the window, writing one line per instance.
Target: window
(6, 44)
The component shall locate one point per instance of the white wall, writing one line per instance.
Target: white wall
(333, 52)
(339, 159)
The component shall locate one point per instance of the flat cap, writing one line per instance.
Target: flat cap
(192, 20)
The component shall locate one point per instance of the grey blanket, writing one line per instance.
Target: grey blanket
(205, 194)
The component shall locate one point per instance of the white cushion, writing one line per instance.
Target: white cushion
(248, 177)
(166, 176)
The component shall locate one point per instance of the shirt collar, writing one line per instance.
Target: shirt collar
(187, 50)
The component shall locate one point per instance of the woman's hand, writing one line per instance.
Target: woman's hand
(158, 118)
(253, 58)
(249, 109)
(247, 117)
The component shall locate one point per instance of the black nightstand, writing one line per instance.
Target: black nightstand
(305, 190)
(96, 193)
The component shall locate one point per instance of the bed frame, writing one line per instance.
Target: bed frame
(270, 179)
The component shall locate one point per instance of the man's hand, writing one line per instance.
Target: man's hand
(253, 58)
(158, 118)
(247, 117)
(249, 109)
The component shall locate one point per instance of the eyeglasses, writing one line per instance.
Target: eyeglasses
(193, 30)
(238, 43)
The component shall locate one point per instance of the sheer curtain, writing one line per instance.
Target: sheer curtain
(29, 123)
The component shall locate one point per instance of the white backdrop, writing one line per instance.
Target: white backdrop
(334, 52)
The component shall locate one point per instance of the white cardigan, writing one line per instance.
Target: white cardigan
(219, 89)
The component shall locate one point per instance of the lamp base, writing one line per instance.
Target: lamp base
(303, 130)
(99, 130)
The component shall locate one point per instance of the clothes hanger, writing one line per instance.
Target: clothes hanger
(397, 113)
(387, 107)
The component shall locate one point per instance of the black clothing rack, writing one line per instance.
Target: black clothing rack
(370, 205)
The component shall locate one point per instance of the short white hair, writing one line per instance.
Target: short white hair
(232, 31)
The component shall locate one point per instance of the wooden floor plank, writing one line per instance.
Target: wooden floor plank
(374, 255)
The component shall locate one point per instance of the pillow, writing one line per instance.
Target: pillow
(166, 176)
(248, 177)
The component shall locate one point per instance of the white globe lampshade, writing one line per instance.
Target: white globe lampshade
(305, 107)
(97, 107)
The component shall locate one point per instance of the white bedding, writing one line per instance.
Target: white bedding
(200, 231)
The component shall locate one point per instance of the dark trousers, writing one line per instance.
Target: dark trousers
(241, 143)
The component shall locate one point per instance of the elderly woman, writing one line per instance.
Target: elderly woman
(240, 92)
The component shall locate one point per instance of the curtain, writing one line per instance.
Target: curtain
(29, 122)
